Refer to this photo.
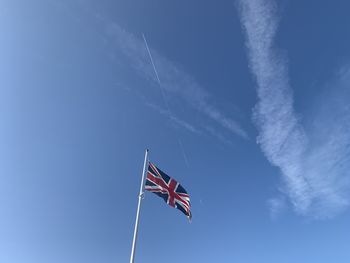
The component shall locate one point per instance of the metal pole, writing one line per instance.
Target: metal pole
(138, 208)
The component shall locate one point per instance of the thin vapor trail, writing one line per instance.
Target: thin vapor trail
(157, 75)
(170, 115)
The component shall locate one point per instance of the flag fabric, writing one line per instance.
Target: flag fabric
(170, 190)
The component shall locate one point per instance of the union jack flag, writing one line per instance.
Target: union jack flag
(169, 189)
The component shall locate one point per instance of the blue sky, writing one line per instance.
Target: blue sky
(258, 131)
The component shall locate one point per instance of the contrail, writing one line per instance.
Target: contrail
(150, 55)
(156, 72)
(170, 115)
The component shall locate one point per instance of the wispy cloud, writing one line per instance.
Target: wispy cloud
(176, 120)
(327, 161)
(175, 81)
(215, 133)
(276, 206)
(282, 138)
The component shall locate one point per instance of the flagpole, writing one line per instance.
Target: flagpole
(138, 207)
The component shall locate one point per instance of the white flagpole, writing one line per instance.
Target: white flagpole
(138, 207)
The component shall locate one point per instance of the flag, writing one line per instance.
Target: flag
(170, 190)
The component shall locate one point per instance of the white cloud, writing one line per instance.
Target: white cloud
(283, 140)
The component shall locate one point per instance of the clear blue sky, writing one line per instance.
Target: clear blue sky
(259, 130)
